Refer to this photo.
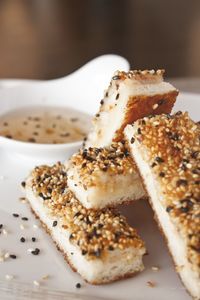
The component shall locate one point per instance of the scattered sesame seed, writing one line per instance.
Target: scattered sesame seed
(6, 255)
(24, 218)
(155, 269)
(13, 256)
(22, 239)
(36, 283)
(54, 223)
(21, 226)
(5, 232)
(78, 285)
(35, 226)
(151, 284)
(36, 251)
(23, 183)
(30, 250)
(1, 226)
(16, 215)
(9, 277)
(33, 239)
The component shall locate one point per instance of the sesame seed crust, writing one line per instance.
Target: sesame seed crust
(130, 96)
(139, 75)
(92, 162)
(94, 232)
(172, 144)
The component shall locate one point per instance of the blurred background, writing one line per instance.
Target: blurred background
(46, 39)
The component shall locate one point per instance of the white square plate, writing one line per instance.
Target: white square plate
(62, 280)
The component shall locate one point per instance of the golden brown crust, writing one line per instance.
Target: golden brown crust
(96, 233)
(141, 106)
(66, 257)
(92, 163)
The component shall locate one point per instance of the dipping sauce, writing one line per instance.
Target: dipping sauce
(45, 125)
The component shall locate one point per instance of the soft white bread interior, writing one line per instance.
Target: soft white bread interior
(130, 96)
(166, 150)
(101, 177)
(100, 245)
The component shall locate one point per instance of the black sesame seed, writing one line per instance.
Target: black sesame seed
(174, 137)
(139, 131)
(77, 214)
(153, 165)
(162, 174)
(1, 226)
(117, 96)
(196, 171)
(116, 77)
(181, 182)
(41, 195)
(74, 119)
(33, 239)
(162, 101)
(195, 154)
(23, 183)
(13, 256)
(84, 165)
(97, 115)
(169, 208)
(101, 102)
(8, 136)
(16, 215)
(106, 94)
(100, 225)
(184, 209)
(84, 252)
(24, 218)
(178, 113)
(31, 140)
(71, 236)
(110, 248)
(132, 140)
(78, 285)
(36, 251)
(54, 223)
(159, 159)
(22, 239)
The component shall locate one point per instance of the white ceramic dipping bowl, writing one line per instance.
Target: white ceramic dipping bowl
(81, 90)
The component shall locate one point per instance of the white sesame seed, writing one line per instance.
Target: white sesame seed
(155, 106)
(9, 277)
(6, 255)
(5, 232)
(36, 283)
(22, 227)
(35, 226)
(30, 250)
(155, 269)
